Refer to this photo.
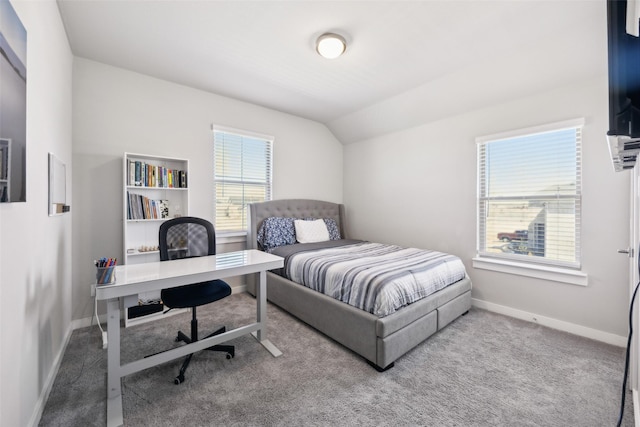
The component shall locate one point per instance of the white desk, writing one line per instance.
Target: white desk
(136, 278)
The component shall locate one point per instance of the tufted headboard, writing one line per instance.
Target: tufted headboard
(291, 208)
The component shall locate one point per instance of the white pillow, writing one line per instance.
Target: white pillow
(311, 231)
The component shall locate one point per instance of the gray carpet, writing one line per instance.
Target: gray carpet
(482, 370)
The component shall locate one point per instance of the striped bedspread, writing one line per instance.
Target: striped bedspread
(375, 277)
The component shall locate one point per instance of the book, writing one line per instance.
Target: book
(141, 207)
(131, 172)
(164, 208)
(129, 206)
(4, 153)
(4, 160)
(137, 173)
(146, 175)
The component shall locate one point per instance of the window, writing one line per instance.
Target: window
(529, 195)
(242, 170)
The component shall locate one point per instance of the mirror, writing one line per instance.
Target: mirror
(13, 106)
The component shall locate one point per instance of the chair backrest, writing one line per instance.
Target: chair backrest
(186, 237)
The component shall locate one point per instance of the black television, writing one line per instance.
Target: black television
(624, 87)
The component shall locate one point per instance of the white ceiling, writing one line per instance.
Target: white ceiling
(400, 55)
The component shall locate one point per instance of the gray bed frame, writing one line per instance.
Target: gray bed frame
(379, 340)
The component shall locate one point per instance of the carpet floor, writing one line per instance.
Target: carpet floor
(484, 369)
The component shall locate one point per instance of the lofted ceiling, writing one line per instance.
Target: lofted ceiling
(407, 62)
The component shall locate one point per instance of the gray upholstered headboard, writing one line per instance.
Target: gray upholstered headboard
(292, 208)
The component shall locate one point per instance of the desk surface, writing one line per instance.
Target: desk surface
(135, 278)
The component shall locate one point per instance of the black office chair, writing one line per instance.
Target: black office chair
(188, 237)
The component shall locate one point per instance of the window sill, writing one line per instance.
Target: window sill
(233, 237)
(555, 274)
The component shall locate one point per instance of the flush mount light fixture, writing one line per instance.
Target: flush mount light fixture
(331, 45)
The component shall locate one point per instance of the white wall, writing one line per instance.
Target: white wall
(117, 111)
(418, 187)
(35, 254)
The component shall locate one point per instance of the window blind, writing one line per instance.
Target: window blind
(529, 196)
(242, 170)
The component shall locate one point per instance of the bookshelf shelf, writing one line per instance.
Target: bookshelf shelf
(142, 253)
(139, 187)
(155, 189)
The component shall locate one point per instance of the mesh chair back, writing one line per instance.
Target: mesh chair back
(186, 237)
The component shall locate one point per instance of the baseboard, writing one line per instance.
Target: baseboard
(89, 321)
(48, 384)
(239, 289)
(572, 328)
(636, 408)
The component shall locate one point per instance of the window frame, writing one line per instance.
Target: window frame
(566, 272)
(232, 236)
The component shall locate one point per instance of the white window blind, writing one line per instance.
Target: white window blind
(529, 195)
(242, 175)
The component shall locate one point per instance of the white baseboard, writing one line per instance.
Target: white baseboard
(636, 408)
(88, 321)
(239, 289)
(48, 384)
(572, 328)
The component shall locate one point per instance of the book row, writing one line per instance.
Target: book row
(141, 207)
(143, 174)
(4, 162)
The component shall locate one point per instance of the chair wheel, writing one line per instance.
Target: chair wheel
(178, 338)
(179, 379)
(229, 356)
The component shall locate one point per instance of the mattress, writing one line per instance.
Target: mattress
(375, 277)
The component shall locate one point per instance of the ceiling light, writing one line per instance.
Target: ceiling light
(331, 45)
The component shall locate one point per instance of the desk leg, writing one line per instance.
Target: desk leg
(261, 334)
(114, 388)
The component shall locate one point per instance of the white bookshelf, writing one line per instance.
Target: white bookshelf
(159, 185)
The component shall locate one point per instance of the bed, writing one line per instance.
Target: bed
(379, 340)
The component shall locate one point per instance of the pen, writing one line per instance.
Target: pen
(105, 263)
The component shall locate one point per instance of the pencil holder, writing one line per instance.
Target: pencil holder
(105, 275)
